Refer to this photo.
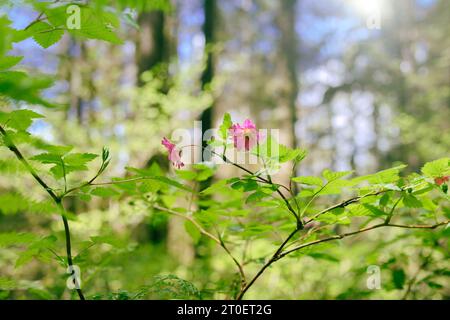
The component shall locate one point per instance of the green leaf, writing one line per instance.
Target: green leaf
(384, 200)
(193, 231)
(330, 218)
(57, 150)
(47, 158)
(79, 159)
(309, 180)
(382, 177)
(287, 154)
(437, 168)
(216, 187)
(13, 239)
(72, 162)
(411, 201)
(45, 34)
(359, 210)
(249, 185)
(333, 187)
(171, 182)
(35, 250)
(56, 16)
(96, 24)
(186, 174)
(7, 284)
(337, 211)
(111, 240)
(256, 196)
(398, 277)
(11, 203)
(374, 210)
(323, 256)
(9, 61)
(434, 285)
(332, 176)
(104, 192)
(19, 86)
(19, 119)
(225, 126)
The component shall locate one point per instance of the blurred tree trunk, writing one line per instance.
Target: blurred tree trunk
(289, 49)
(289, 53)
(153, 54)
(210, 11)
(151, 44)
(75, 80)
(209, 25)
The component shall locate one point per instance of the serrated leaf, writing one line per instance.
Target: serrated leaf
(45, 34)
(332, 176)
(7, 62)
(411, 201)
(437, 168)
(47, 158)
(96, 24)
(78, 159)
(104, 192)
(359, 210)
(309, 180)
(382, 177)
(287, 154)
(19, 119)
(374, 210)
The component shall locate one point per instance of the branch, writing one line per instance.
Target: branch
(267, 181)
(274, 258)
(279, 254)
(11, 146)
(345, 204)
(217, 240)
(344, 235)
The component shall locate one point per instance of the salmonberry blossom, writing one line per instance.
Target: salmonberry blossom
(246, 136)
(441, 180)
(174, 153)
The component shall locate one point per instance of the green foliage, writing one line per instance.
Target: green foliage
(249, 221)
(225, 126)
(437, 168)
(45, 34)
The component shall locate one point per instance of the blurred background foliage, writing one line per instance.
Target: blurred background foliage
(356, 97)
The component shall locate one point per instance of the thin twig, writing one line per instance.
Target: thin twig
(344, 235)
(11, 146)
(274, 258)
(279, 254)
(344, 204)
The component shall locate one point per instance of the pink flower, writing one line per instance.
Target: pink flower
(441, 180)
(174, 153)
(246, 136)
